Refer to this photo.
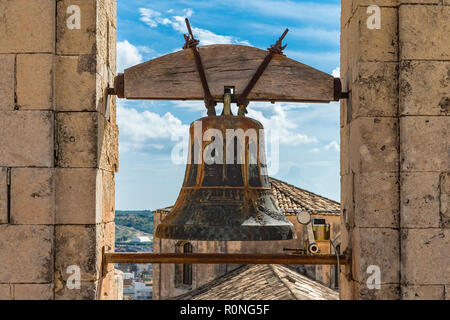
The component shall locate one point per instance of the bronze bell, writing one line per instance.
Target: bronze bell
(228, 201)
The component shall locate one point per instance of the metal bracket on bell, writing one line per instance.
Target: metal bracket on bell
(276, 48)
(191, 43)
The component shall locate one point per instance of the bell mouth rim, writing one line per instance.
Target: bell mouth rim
(219, 233)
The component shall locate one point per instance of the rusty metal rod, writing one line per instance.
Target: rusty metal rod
(222, 258)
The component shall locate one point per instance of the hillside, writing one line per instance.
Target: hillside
(125, 234)
(131, 224)
(139, 220)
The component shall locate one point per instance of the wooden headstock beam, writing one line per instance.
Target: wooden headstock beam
(175, 77)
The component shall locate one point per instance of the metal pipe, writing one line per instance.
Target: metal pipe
(220, 258)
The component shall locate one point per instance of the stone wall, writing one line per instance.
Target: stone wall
(394, 148)
(58, 151)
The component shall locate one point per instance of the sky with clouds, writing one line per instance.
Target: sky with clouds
(151, 131)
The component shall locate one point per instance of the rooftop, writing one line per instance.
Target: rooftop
(261, 282)
(290, 198)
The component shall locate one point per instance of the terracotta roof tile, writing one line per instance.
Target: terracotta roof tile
(290, 199)
(261, 282)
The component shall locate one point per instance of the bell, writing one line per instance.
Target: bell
(226, 194)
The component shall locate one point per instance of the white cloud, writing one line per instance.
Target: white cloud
(333, 145)
(336, 72)
(154, 18)
(127, 55)
(193, 106)
(281, 122)
(143, 130)
(145, 49)
(150, 17)
(314, 150)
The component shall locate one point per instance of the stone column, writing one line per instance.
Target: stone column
(58, 147)
(424, 97)
(394, 147)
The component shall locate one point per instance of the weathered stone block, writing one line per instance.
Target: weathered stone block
(424, 88)
(347, 202)
(27, 26)
(81, 246)
(344, 41)
(108, 196)
(423, 292)
(432, 246)
(424, 143)
(373, 145)
(27, 254)
(345, 150)
(423, 32)
(365, 3)
(376, 247)
(85, 139)
(345, 285)
(34, 81)
(102, 84)
(373, 44)
(78, 196)
(32, 196)
(33, 292)
(376, 200)
(87, 291)
(27, 139)
(109, 231)
(3, 195)
(107, 145)
(102, 33)
(420, 200)
(84, 196)
(75, 83)
(375, 89)
(107, 286)
(74, 40)
(7, 80)
(420, 1)
(444, 199)
(5, 292)
(106, 33)
(77, 135)
(386, 292)
(112, 58)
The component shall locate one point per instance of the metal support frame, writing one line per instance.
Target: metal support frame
(224, 258)
(192, 43)
(276, 48)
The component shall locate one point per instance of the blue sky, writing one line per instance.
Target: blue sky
(149, 130)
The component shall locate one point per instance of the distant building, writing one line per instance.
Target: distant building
(171, 280)
(136, 290)
(141, 240)
(128, 275)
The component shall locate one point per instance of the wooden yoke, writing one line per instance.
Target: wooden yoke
(175, 77)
